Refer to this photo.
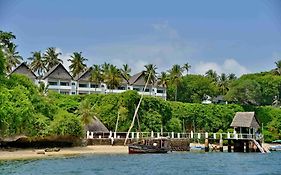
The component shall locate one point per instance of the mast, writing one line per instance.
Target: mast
(136, 111)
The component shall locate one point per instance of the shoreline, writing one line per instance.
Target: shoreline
(25, 154)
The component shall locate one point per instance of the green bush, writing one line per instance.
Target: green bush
(66, 124)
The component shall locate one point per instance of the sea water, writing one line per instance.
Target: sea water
(146, 164)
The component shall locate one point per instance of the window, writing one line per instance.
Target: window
(64, 92)
(121, 88)
(73, 93)
(64, 83)
(94, 86)
(146, 90)
(136, 89)
(53, 83)
(83, 85)
(73, 84)
(160, 91)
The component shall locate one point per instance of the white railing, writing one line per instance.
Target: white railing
(174, 135)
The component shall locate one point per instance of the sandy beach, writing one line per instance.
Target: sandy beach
(22, 154)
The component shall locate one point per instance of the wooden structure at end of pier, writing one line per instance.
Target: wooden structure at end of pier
(246, 134)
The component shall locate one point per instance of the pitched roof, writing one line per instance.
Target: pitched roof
(25, 70)
(97, 126)
(245, 119)
(137, 79)
(84, 76)
(58, 72)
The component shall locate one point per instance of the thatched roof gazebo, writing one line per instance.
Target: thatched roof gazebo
(245, 121)
(97, 126)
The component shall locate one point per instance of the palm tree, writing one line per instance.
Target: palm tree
(163, 80)
(96, 75)
(186, 67)
(86, 113)
(37, 63)
(112, 77)
(232, 76)
(105, 67)
(150, 69)
(5, 39)
(223, 83)
(51, 58)
(126, 70)
(175, 77)
(12, 57)
(278, 67)
(77, 65)
(43, 89)
(212, 75)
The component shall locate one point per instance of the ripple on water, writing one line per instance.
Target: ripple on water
(172, 163)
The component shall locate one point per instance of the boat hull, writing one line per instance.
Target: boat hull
(146, 149)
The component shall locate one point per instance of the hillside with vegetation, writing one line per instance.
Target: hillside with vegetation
(26, 109)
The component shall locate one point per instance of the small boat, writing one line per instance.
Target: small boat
(275, 148)
(155, 145)
(197, 148)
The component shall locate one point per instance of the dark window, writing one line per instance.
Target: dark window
(64, 83)
(146, 90)
(83, 85)
(63, 92)
(160, 91)
(72, 92)
(94, 86)
(136, 89)
(53, 83)
(73, 84)
(121, 88)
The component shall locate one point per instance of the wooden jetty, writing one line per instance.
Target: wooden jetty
(244, 138)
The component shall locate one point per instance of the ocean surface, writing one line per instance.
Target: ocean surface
(171, 163)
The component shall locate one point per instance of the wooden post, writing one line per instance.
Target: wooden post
(206, 142)
(221, 143)
(229, 145)
(247, 146)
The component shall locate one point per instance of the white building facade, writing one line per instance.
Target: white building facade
(60, 80)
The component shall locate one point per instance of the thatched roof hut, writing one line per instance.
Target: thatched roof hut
(245, 120)
(97, 126)
(58, 72)
(25, 70)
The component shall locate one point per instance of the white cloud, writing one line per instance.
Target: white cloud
(163, 47)
(228, 66)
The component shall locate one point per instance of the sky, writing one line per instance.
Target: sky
(227, 36)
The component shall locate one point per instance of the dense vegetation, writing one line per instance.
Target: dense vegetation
(26, 109)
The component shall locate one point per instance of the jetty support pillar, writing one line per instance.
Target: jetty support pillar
(221, 143)
(229, 145)
(206, 143)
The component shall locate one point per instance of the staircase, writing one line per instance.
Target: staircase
(262, 150)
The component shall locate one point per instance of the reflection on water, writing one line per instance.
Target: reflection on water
(172, 163)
